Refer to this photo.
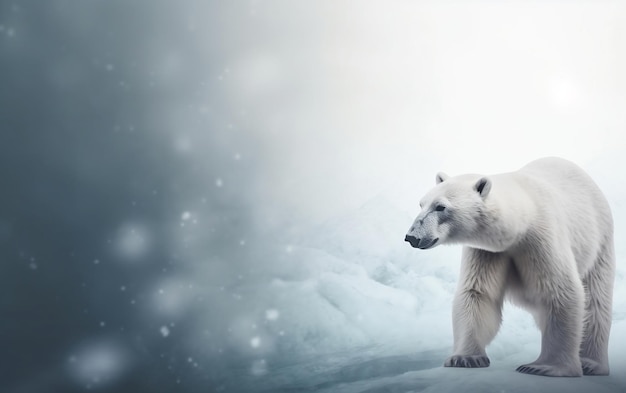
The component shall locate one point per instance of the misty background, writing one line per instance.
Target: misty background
(213, 195)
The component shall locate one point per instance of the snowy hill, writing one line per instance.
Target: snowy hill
(368, 235)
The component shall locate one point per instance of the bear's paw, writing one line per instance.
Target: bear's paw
(550, 370)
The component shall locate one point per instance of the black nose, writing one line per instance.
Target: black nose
(412, 240)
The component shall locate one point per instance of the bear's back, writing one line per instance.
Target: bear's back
(567, 182)
(564, 191)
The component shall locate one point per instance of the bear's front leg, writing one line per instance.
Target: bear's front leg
(475, 321)
(477, 308)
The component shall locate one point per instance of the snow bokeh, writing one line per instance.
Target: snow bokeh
(98, 364)
(132, 242)
(170, 297)
(213, 196)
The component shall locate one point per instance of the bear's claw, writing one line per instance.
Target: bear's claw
(528, 370)
(474, 361)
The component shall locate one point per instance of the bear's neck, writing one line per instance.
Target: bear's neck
(508, 226)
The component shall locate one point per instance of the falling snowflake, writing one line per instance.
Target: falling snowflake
(272, 314)
(165, 331)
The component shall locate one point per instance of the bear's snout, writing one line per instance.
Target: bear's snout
(422, 244)
(412, 240)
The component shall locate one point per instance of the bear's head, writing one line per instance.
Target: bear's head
(454, 211)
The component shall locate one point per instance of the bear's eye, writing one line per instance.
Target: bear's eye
(440, 208)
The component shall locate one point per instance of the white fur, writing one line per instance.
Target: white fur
(542, 237)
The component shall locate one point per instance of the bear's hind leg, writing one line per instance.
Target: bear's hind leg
(558, 311)
(597, 320)
(561, 327)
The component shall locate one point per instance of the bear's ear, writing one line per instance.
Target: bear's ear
(483, 186)
(441, 177)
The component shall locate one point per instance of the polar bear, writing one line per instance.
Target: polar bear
(542, 237)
